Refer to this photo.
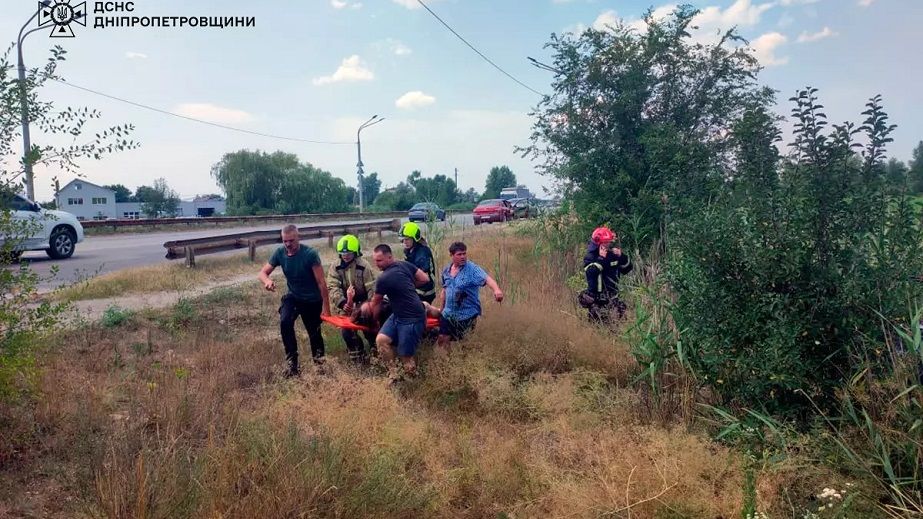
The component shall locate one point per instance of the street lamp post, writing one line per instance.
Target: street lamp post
(374, 120)
(24, 105)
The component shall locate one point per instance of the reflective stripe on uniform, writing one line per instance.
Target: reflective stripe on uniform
(599, 277)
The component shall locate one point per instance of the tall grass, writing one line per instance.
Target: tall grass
(182, 412)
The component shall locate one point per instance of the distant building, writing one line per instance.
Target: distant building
(88, 201)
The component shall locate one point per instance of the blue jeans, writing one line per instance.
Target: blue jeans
(405, 334)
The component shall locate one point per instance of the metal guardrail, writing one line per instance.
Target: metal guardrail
(140, 222)
(189, 249)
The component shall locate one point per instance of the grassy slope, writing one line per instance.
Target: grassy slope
(181, 413)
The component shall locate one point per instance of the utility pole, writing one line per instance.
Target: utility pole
(456, 178)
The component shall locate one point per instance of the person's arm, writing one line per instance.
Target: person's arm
(324, 293)
(625, 265)
(420, 278)
(375, 306)
(498, 294)
(335, 288)
(268, 283)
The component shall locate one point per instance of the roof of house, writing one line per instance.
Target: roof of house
(82, 181)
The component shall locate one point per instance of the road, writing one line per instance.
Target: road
(98, 255)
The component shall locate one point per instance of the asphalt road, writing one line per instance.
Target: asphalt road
(98, 255)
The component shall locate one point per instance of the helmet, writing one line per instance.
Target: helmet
(410, 230)
(603, 235)
(348, 244)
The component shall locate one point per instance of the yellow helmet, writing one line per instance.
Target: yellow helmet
(348, 244)
(410, 230)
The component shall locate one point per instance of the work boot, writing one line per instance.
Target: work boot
(292, 370)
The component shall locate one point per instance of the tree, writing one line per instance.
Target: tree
(439, 189)
(252, 179)
(261, 183)
(122, 193)
(398, 198)
(640, 118)
(371, 186)
(915, 173)
(470, 196)
(498, 178)
(159, 200)
(50, 121)
(25, 319)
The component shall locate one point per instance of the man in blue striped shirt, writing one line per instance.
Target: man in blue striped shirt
(461, 281)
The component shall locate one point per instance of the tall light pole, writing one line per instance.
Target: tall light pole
(24, 105)
(374, 120)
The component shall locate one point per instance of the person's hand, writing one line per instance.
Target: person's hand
(603, 251)
(498, 295)
(350, 293)
(269, 285)
(348, 307)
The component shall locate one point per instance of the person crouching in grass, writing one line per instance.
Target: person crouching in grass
(461, 304)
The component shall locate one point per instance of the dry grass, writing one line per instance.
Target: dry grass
(182, 413)
(172, 277)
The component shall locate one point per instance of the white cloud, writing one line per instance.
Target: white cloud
(213, 113)
(764, 48)
(866, 3)
(798, 2)
(135, 55)
(351, 69)
(605, 20)
(826, 32)
(409, 4)
(397, 47)
(414, 99)
(741, 13)
(343, 4)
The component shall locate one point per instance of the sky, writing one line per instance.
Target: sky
(316, 69)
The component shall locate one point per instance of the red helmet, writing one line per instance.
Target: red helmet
(603, 235)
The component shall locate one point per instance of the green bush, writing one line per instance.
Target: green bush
(782, 280)
(115, 316)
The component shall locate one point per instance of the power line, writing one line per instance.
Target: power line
(165, 112)
(479, 53)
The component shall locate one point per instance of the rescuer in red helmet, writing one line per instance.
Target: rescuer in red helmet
(603, 264)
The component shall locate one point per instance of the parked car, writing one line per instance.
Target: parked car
(426, 211)
(55, 232)
(522, 208)
(492, 210)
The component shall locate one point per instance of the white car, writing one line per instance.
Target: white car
(55, 232)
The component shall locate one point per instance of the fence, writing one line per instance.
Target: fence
(189, 249)
(216, 220)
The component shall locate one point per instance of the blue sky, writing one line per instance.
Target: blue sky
(316, 69)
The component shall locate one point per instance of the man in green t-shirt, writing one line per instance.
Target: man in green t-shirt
(307, 295)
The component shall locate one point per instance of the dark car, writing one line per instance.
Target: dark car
(426, 211)
(492, 210)
(522, 208)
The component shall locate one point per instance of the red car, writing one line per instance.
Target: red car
(494, 210)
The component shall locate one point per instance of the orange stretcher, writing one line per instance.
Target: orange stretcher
(343, 321)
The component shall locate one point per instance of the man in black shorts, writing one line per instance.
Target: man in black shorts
(404, 328)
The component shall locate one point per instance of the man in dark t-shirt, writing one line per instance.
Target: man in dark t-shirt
(307, 295)
(404, 328)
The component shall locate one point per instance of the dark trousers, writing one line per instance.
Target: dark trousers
(354, 343)
(309, 311)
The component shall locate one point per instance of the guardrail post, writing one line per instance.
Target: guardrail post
(251, 246)
(190, 257)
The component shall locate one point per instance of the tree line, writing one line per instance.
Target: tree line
(257, 182)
